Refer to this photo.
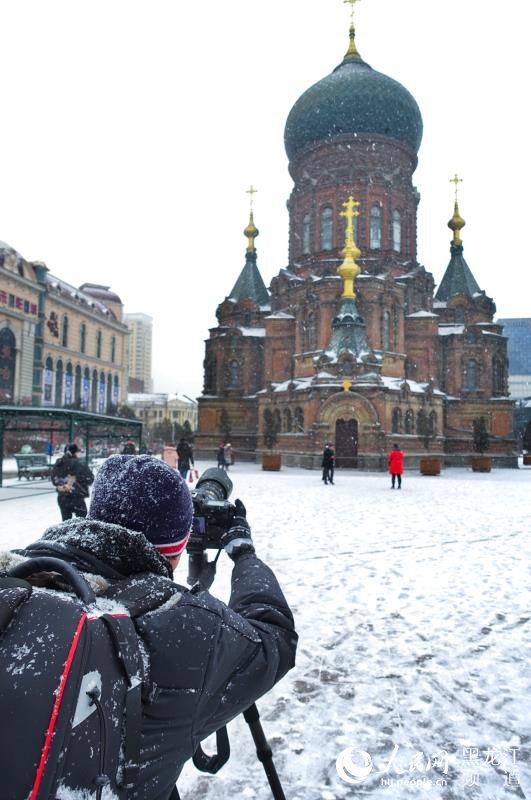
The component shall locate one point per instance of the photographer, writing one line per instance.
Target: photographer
(206, 662)
(71, 479)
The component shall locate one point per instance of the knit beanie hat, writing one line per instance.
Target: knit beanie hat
(143, 494)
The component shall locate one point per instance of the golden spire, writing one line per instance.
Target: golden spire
(457, 222)
(251, 231)
(352, 52)
(349, 269)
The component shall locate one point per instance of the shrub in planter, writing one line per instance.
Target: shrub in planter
(270, 461)
(428, 464)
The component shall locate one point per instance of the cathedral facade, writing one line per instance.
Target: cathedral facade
(351, 344)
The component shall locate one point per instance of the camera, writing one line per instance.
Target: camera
(213, 515)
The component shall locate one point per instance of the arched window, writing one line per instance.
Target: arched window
(58, 400)
(376, 227)
(460, 314)
(98, 344)
(94, 391)
(386, 330)
(69, 385)
(497, 376)
(210, 374)
(109, 392)
(421, 423)
(113, 349)
(432, 424)
(77, 387)
(64, 338)
(234, 373)
(396, 421)
(408, 421)
(299, 420)
(397, 232)
(326, 229)
(48, 382)
(306, 234)
(471, 375)
(8, 355)
(277, 419)
(85, 398)
(311, 331)
(82, 337)
(288, 422)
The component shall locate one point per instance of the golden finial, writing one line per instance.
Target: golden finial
(251, 231)
(349, 269)
(352, 51)
(457, 222)
(346, 383)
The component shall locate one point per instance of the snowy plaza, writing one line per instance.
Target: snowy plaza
(412, 607)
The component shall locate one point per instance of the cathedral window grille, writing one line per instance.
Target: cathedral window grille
(82, 337)
(497, 377)
(277, 419)
(432, 423)
(408, 421)
(288, 421)
(396, 421)
(460, 314)
(64, 338)
(211, 376)
(386, 330)
(311, 331)
(471, 375)
(326, 229)
(376, 227)
(397, 232)
(421, 423)
(306, 234)
(247, 319)
(59, 374)
(234, 373)
(98, 344)
(299, 420)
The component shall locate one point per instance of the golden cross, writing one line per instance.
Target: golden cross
(351, 3)
(251, 190)
(350, 207)
(455, 180)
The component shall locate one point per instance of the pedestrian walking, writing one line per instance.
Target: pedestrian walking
(71, 479)
(396, 466)
(185, 457)
(328, 464)
(221, 456)
(227, 455)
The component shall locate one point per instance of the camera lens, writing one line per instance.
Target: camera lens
(214, 484)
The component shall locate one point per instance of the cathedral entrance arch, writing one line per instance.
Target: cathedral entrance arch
(346, 442)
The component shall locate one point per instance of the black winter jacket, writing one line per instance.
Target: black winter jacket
(207, 662)
(69, 465)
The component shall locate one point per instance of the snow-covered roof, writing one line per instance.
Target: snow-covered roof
(448, 330)
(280, 315)
(440, 304)
(252, 331)
(421, 314)
(76, 294)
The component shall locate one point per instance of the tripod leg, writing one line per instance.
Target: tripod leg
(263, 751)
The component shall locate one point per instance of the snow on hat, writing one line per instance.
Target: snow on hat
(144, 494)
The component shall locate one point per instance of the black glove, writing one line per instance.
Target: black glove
(238, 540)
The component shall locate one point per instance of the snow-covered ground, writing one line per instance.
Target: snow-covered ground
(412, 608)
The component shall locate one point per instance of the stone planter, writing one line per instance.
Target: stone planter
(527, 459)
(430, 466)
(271, 461)
(481, 463)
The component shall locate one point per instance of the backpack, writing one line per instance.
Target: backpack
(71, 683)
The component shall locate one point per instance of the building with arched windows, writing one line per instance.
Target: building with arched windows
(351, 343)
(60, 346)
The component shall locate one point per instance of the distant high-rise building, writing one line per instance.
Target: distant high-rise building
(518, 332)
(140, 351)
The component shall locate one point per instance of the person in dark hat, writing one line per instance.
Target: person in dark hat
(328, 464)
(205, 662)
(72, 479)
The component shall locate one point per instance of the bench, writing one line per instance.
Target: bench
(33, 465)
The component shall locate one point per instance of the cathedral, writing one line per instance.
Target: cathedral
(351, 344)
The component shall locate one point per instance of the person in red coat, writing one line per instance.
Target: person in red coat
(396, 465)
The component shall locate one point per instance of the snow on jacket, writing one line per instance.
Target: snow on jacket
(208, 662)
(69, 469)
(396, 462)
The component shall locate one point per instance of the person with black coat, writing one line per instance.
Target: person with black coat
(72, 479)
(206, 662)
(185, 457)
(328, 464)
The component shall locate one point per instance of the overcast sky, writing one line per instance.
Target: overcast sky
(131, 129)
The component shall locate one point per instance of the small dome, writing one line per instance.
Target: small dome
(354, 98)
